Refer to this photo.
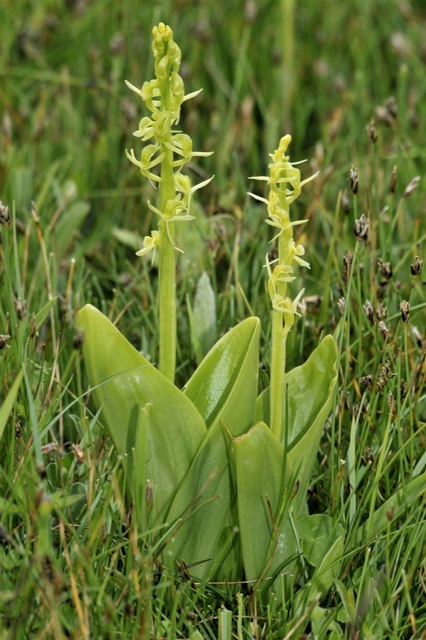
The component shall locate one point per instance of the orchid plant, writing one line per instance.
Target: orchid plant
(171, 150)
(218, 475)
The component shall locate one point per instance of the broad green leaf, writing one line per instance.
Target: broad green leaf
(318, 533)
(328, 569)
(325, 623)
(347, 597)
(264, 486)
(204, 314)
(307, 389)
(7, 405)
(224, 386)
(306, 403)
(224, 390)
(124, 383)
(206, 506)
(323, 578)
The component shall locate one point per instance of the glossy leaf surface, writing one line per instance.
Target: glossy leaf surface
(307, 388)
(264, 488)
(224, 387)
(306, 406)
(318, 533)
(124, 384)
(224, 390)
(204, 314)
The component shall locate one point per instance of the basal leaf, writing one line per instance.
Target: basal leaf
(206, 505)
(328, 569)
(224, 386)
(306, 390)
(318, 533)
(124, 384)
(224, 390)
(204, 314)
(306, 405)
(264, 488)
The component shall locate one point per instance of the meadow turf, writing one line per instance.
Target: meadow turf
(347, 80)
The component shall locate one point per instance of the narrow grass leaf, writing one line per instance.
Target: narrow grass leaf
(7, 405)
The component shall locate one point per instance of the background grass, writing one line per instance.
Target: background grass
(71, 563)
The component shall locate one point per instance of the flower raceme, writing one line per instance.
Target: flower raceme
(285, 186)
(163, 96)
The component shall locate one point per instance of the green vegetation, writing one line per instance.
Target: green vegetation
(74, 561)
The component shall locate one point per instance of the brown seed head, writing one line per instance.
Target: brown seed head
(353, 179)
(416, 266)
(411, 186)
(405, 310)
(362, 227)
(372, 131)
(3, 340)
(4, 215)
(369, 311)
(385, 269)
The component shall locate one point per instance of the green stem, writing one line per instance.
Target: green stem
(277, 373)
(279, 341)
(167, 275)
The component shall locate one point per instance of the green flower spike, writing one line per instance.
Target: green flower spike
(161, 162)
(285, 186)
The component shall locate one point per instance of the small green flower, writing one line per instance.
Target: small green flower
(150, 243)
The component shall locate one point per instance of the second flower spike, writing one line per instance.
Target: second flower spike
(285, 186)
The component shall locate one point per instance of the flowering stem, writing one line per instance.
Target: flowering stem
(171, 150)
(285, 187)
(167, 275)
(279, 342)
(278, 361)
